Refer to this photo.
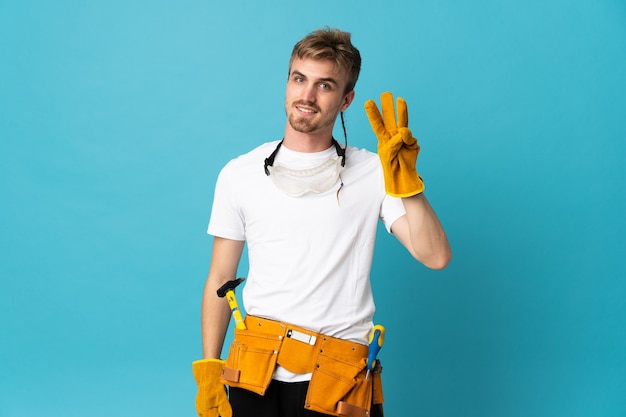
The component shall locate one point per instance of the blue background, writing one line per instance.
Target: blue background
(116, 116)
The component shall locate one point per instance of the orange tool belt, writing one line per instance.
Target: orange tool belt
(338, 383)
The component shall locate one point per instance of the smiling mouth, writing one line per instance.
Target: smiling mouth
(306, 109)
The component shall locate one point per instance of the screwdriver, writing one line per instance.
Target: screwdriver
(377, 337)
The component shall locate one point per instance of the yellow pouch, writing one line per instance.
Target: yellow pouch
(297, 356)
(251, 360)
(338, 385)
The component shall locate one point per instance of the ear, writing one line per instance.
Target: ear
(347, 100)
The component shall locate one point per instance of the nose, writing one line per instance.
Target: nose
(309, 93)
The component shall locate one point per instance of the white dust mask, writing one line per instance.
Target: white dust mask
(296, 182)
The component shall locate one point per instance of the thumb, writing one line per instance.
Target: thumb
(225, 410)
(407, 136)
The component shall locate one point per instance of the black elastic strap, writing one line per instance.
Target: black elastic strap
(269, 161)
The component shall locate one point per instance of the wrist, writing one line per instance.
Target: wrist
(208, 360)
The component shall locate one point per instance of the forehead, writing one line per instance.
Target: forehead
(318, 69)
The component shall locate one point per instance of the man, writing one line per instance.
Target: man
(308, 210)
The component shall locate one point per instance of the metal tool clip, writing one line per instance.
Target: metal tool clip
(301, 337)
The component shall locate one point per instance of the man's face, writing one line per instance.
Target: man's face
(315, 95)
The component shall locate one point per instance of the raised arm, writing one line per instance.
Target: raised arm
(419, 230)
(422, 234)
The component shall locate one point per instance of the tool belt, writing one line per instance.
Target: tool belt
(338, 383)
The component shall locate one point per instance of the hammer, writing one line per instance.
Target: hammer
(228, 290)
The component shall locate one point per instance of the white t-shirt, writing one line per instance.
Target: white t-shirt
(310, 256)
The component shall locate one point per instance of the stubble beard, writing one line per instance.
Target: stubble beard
(304, 125)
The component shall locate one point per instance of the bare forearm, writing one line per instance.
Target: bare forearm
(427, 240)
(215, 319)
(215, 310)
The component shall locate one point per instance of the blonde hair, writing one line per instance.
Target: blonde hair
(332, 44)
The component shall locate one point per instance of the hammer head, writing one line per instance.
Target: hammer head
(230, 285)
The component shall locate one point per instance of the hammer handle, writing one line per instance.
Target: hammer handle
(234, 308)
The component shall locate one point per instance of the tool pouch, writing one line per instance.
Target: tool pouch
(251, 360)
(338, 383)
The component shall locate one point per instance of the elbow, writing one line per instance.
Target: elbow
(438, 261)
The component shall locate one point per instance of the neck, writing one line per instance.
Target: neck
(307, 142)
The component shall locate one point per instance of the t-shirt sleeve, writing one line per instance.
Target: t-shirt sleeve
(391, 210)
(226, 217)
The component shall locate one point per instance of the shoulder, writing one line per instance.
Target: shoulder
(361, 158)
(360, 153)
(252, 160)
(363, 167)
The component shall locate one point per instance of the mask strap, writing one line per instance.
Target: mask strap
(345, 138)
(269, 161)
(341, 152)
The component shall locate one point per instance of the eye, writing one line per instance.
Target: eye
(325, 86)
(298, 79)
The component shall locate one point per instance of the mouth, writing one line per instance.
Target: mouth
(306, 109)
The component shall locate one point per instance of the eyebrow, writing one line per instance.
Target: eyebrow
(327, 79)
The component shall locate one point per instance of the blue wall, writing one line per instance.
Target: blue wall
(116, 116)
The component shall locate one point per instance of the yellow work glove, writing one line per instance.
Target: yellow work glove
(397, 148)
(211, 400)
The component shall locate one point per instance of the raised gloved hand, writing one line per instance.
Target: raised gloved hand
(211, 400)
(397, 148)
